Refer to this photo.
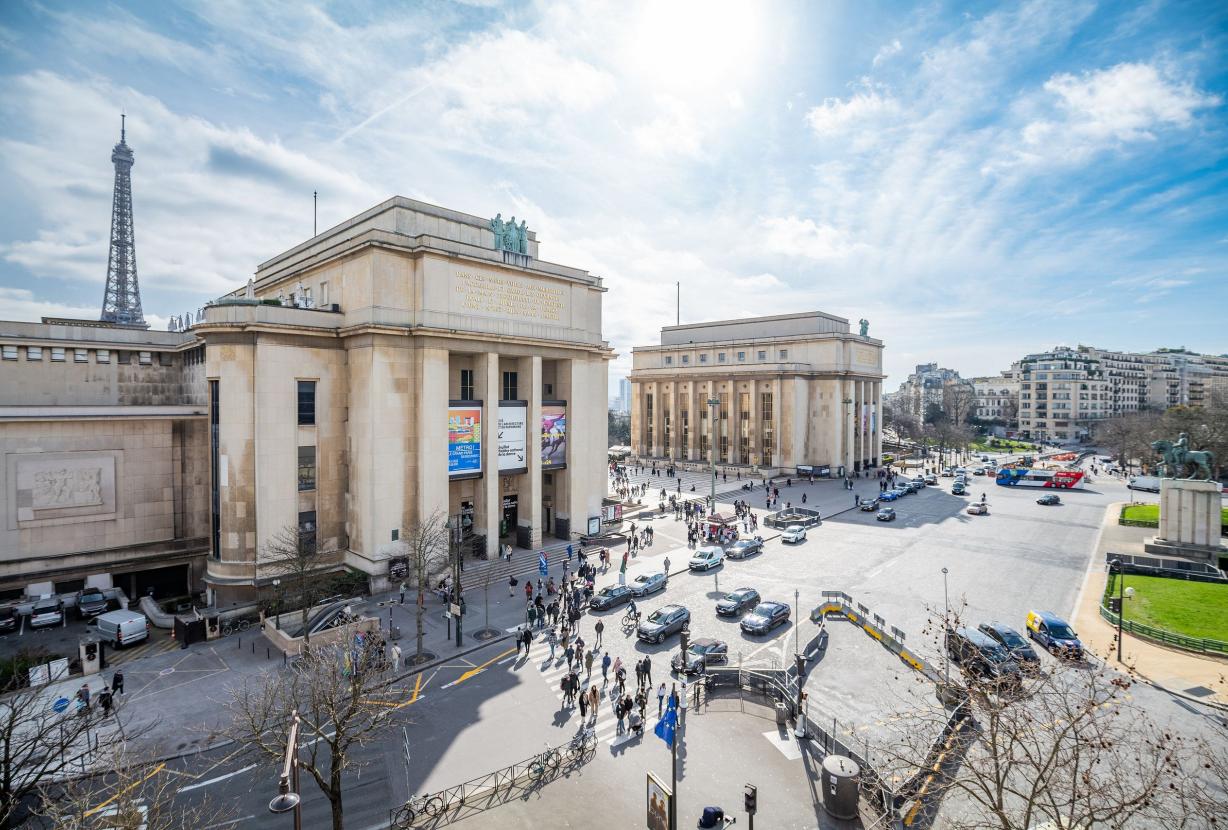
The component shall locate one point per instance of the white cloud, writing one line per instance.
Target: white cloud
(887, 50)
(1126, 102)
(861, 111)
(795, 237)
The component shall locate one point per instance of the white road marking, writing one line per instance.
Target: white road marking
(200, 784)
(229, 823)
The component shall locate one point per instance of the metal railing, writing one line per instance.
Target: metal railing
(1199, 644)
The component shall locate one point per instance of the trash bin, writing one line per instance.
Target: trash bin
(394, 633)
(840, 780)
(782, 714)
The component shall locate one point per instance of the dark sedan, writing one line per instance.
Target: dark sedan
(90, 603)
(1020, 650)
(737, 602)
(704, 652)
(744, 548)
(666, 620)
(610, 596)
(869, 506)
(765, 617)
(1049, 498)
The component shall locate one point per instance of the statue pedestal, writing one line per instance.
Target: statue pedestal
(1189, 520)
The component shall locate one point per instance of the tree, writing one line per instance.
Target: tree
(294, 554)
(958, 401)
(325, 688)
(619, 426)
(426, 548)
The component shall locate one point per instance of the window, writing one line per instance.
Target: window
(146, 358)
(306, 402)
(511, 386)
(81, 355)
(763, 355)
(720, 358)
(123, 357)
(306, 468)
(703, 358)
(324, 294)
(10, 352)
(307, 298)
(104, 355)
(686, 358)
(57, 355)
(466, 384)
(34, 352)
(547, 390)
(741, 356)
(784, 354)
(307, 529)
(669, 360)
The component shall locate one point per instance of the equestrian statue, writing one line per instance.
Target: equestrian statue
(1178, 457)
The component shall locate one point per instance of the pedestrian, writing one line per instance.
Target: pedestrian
(639, 673)
(83, 697)
(583, 706)
(856, 500)
(667, 567)
(565, 686)
(568, 559)
(647, 670)
(402, 593)
(600, 629)
(588, 663)
(618, 710)
(641, 701)
(104, 701)
(511, 586)
(620, 676)
(528, 590)
(594, 701)
(552, 640)
(532, 614)
(528, 640)
(605, 668)
(569, 654)
(660, 698)
(117, 683)
(396, 658)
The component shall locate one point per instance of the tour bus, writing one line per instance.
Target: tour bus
(1059, 479)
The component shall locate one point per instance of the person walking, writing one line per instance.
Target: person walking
(402, 593)
(83, 698)
(104, 701)
(588, 664)
(639, 673)
(583, 707)
(660, 698)
(647, 670)
(511, 586)
(552, 640)
(600, 629)
(605, 668)
(594, 701)
(396, 658)
(532, 614)
(569, 654)
(528, 590)
(666, 568)
(117, 683)
(620, 677)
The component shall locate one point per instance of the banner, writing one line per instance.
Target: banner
(554, 435)
(659, 797)
(464, 440)
(512, 431)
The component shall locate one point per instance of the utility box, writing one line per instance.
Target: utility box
(840, 781)
(90, 650)
(213, 627)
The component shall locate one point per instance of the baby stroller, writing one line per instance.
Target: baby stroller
(714, 817)
(636, 723)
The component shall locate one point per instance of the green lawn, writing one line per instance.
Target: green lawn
(1149, 514)
(1001, 445)
(1195, 609)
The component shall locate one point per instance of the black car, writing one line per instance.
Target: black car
(8, 618)
(765, 617)
(90, 603)
(666, 620)
(703, 653)
(981, 656)
(1020, 650)
(744, 548)
(610, 596)
(737, 601)
(1049, 498)
(869, 506)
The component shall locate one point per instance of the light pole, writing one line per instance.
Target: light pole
(713, 403)
(288, 798)
(277, 589)
(946, 628)
(1121, 603)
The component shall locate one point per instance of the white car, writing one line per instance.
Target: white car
(706, 558)
(793, 534)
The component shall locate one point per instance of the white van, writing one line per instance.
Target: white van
(121, 628)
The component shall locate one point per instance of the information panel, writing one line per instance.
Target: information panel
(554, 435)
(464, 439)
(513, 437)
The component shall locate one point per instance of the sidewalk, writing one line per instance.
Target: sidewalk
(1182, 673)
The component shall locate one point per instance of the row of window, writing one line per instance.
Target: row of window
(783, 354)
(58, 354)
(510, 388)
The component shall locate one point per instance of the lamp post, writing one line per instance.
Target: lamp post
(946, 628)
(288, 798)
(1121, 603)
(713, 403)
(277, 589)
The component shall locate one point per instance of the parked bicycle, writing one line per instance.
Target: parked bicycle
(418, 805)
(583, 744)
(231, 626)
(547, 763)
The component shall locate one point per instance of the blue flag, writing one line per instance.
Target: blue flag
(666, 726)
(541, 564)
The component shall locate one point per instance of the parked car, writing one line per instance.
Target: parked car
(917, 481)
(644, 584)
(665, 621)
(610, 596)
(914, 487)
(706, 558)
(1049, 498)
(47, 611)
(1055, 634)
(123, 627)
(979, 508)
(947, 472)
(930, 478)
(869, 506)
(703, 652)
(793, 534)
(744, 548)
(980, 655)
(90, 603)
(959, 489)
(1013, 641)
(889, 495)
(984, 458)
(979, 471)
(887, 514)
(765, 617)
(8, 618)
(737, 602)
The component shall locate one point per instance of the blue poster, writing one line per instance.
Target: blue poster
(464, 440)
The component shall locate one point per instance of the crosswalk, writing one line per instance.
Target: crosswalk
(157, 642)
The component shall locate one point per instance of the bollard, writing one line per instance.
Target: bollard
(285, 661)
(268, 653)
(239, 641)
(253, 646)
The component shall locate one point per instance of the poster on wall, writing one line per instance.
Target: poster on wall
(554, 435)
(658, 798)
(511, 434)
(464, 439)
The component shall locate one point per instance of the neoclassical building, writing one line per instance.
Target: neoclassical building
(786, 391)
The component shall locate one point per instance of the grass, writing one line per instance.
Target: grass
(1148, 515)
(1195, 609)
(1001, 445)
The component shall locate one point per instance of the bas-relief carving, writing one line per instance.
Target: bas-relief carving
(65, 487)
(60, 487)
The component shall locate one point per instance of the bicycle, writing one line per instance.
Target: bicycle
(546, 762)
(232, 626)
(418, 805)
(583, 744)
(631, 620)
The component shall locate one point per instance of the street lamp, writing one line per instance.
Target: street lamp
(713, 403)
(1121, 602)
(946, 627)
(277, 589)
(288, 798)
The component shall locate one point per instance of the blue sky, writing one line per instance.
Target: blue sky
(978, 180)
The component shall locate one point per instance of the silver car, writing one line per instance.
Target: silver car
(646, 584)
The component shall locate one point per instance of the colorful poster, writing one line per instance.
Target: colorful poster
(464, 440)
(554, 436)
(658, 805)
(512, 437)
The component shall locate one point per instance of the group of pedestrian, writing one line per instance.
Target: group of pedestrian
(106, 695)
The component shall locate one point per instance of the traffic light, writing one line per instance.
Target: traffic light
(750, 796)
(685, 642)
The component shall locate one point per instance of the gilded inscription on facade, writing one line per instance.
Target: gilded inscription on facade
(496, 294)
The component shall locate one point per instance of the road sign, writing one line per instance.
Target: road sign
(60, 705)
(454, 609)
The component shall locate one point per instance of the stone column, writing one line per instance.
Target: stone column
(533, 516)
(756, 455)
(432, 480)
(735, 422)
(658, 421)
(490, 506)
(863, 422)
(846, 394)
(878, 422)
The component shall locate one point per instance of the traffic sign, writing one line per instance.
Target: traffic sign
(60, 705)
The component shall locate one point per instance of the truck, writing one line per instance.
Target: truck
(1149, 483)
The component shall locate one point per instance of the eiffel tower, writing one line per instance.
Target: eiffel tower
(121, 303)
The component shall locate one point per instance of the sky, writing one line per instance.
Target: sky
(977, 180)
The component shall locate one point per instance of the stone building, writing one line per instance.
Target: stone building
(923, 390)
(997, 399)
(791, 390)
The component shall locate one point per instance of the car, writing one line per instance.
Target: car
(90, 603)
(793, 534)
(887, 514)
(980, 655)
(610, 596)
(665, 621)
(744, 548)
(1054, 634)
(869, 506)
(889, 495)
(737, 602)
(930, 478)
(914, 487)
(644, 584)
(706, 558)
(947, 472)
(47, 611)
(1049, 498)
(917, 481)
(1013, 641)
(979, 471)
(984, 458)
(702, 653)
(902, 490)
(978, 508)
(8, 618)
(959, 489)
(961, 472)
(765, 617)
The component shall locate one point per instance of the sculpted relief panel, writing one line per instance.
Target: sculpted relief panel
(65, 487)
(502, 295)
(60, 487)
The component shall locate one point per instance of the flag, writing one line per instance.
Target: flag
(665, 727)
(541, 563)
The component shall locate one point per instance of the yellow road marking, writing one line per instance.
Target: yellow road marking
(479, 669)
(417, 687)
(126, 789)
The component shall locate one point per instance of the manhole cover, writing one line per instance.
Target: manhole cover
(165, 672)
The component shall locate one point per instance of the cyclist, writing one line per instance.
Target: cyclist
(632, 611)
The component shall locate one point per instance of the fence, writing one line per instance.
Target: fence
(1169, 568)
(1159, 635)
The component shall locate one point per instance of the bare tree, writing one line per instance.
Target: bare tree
(295, 555)
(325, 688)
(426, 547)
(958, 401)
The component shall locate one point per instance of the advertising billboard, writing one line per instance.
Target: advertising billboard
(512, 435)
(554, 435)
(464, 439)
(658, 797)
